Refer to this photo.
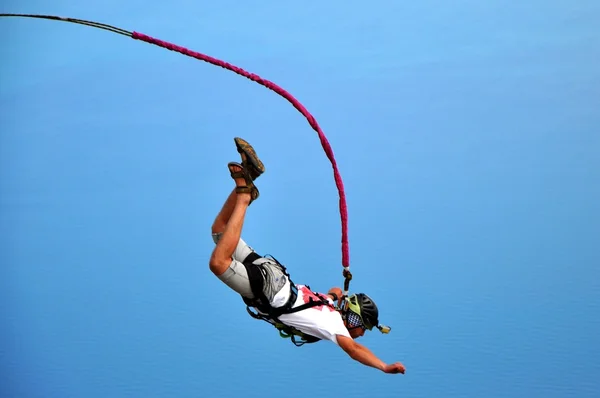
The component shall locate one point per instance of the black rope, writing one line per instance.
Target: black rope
(93, 24)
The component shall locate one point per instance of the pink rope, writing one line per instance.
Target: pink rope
(272, 86)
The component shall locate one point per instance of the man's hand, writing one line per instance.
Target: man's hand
(394, 368)
(335, 293)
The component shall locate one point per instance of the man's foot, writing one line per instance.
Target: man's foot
(243, 181)
(250, 160)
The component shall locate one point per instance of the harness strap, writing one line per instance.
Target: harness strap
(270, 314)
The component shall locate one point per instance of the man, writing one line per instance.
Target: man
(264, 283)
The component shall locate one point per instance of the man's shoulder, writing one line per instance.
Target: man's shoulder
(307, 290)
(306, 295)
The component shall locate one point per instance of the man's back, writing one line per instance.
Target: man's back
(321, 321)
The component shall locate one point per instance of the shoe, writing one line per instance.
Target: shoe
(250, 160)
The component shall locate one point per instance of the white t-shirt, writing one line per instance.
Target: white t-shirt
(320, 321)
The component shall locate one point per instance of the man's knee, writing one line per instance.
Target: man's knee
(218, 265)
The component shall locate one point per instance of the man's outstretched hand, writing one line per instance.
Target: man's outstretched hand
(394, 368)
(362, 354)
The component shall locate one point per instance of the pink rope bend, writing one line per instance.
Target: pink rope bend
(272, 86)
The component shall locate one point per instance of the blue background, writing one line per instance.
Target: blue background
(467, 135)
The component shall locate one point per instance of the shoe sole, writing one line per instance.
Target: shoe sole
(244, 147)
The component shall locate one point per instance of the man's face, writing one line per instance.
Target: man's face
(356, 332)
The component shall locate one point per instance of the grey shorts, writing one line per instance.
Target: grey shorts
(236, 276)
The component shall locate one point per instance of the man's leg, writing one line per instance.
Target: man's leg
(235, 208)
(254, 167)
(223, 217)
(242, 250)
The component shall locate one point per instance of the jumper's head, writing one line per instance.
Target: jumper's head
(360, 314)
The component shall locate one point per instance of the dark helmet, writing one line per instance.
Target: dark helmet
(362, 305)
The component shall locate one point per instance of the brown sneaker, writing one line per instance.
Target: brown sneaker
(250, 160)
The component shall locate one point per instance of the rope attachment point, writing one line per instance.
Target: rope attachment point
(347, 278)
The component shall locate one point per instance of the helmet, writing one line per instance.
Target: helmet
(363, 306)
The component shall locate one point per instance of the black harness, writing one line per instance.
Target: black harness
(265, 312)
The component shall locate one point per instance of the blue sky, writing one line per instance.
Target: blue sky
(467, 138)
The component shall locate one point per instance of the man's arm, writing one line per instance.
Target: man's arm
(362, 354)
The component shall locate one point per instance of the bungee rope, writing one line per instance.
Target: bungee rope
(266, 83)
